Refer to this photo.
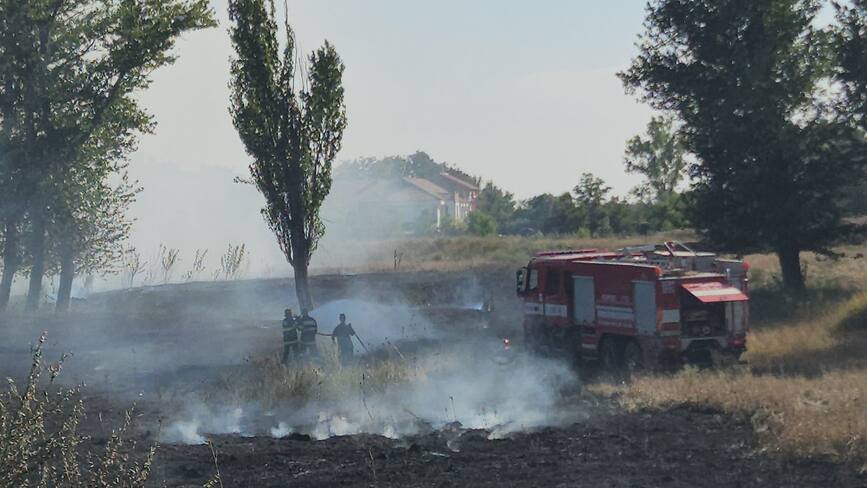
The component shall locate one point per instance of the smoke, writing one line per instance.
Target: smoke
(460, 385)
(170, 349)
(375, 323)
(202, 419)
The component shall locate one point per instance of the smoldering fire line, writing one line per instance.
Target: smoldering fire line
(451, 386)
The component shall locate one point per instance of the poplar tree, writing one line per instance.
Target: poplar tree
(291, 124)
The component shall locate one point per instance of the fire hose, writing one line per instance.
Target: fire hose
(355, 334)
(360, 341)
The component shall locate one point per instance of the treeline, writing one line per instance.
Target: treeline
(69, 117)
(660, 156)
(588, 211)
(419, 164)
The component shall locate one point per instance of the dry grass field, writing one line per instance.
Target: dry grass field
(271, 383)
(471, 252)
(804, 382)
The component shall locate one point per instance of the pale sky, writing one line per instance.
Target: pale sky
(523, 93)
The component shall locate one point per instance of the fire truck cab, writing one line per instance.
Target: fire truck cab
(641, 306)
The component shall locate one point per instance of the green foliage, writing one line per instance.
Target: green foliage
(496, 203)
(545, 214)
(481, 224)
(448, 226)
(744, 78)
(68, 111)
(660, 158)
(88, 218)
(293, 135)
(418, 164)
(851, 43)
(590, 193)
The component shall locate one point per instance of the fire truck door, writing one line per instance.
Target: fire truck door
(583, 300)
(644, 301)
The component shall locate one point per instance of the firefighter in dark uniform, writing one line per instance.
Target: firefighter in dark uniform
(291, 346)
(308, 328)
(343, 336)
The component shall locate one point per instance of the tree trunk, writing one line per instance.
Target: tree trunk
(300, 247)
(302, 287)
(37, 270)
(67, 275)
(790, 264)
(11, 262)
(299, 264)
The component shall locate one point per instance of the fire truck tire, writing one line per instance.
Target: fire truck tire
(610, 354)
(633, 357)
(534, 338)
(530, 341)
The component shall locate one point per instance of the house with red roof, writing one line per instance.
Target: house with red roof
(409, 205)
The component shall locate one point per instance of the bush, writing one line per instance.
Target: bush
(40, 445)
(481, 224)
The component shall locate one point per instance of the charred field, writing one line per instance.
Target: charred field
(435, 402)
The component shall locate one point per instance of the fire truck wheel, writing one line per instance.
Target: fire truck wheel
(609, 354)
(530, 341)
(633, 358)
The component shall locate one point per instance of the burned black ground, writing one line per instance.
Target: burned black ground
(680, 448)
(130, 346)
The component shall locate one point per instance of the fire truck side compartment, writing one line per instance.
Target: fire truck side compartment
(583, 300)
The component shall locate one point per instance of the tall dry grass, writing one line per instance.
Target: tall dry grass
(832, 340)
(270, 383)
(467, 252)
(820, 416)
(804, 382)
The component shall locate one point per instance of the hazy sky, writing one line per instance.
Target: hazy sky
(520, 92)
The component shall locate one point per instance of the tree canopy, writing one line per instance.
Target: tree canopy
(743, 76)
(293, 134)
(69, 66)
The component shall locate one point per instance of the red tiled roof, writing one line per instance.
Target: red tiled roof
(427, 187)
(459, 182)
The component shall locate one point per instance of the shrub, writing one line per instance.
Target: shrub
(40, 444)
(481, 224)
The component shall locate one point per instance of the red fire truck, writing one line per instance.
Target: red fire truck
(641, 306)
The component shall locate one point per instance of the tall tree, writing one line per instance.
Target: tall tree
(293, 135)
(89, 224)
(497, 203)
(743, 75)
(851, 41)
(591, 192)
(660, 158)
(68, 64)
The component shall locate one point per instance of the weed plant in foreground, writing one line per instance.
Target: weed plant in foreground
(40, 444)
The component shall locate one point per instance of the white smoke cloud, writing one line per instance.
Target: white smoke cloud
(465, 387)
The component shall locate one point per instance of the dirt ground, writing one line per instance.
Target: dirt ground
(148, 339)
(674, 449)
